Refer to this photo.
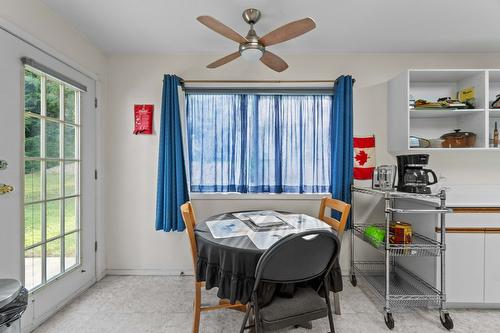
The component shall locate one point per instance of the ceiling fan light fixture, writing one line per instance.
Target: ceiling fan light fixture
(251, 55)
(251, 52)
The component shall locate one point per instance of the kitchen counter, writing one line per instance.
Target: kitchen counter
(480, 196)
(470, 196)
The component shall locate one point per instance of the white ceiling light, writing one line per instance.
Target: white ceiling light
(251, 53)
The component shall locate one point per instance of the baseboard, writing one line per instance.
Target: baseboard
(101, 275)
(166, 272)
(41, 319)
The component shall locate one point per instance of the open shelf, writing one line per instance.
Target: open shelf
(395, 285)
(432, 123)
(494, 88)
(494, 117)
(397, 194)
(442, 113)
(405, 288)
(421, 246)
(434, 84)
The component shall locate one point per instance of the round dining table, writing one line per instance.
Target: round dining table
(229, 263)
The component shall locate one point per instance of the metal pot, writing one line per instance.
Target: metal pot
(458, 139)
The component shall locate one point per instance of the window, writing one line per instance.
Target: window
(51, 177)
(258, 143)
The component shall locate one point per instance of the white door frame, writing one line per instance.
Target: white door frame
(48, 299)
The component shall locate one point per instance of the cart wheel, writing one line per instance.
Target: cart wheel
(446, 320)
(354, 282)
(389, 321)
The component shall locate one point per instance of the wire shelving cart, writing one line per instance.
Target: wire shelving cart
(396, 286)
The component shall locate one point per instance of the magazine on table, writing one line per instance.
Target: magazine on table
(263, 218)
(227, 228)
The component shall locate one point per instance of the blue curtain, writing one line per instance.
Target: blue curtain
(342, 140)
(259, 143)
(172, 188)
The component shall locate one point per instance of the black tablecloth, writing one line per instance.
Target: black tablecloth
(229, 265)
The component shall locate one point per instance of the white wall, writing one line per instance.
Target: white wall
(34, 21)
(131, 161)
(35, 18)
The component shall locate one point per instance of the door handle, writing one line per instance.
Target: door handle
(4, 188)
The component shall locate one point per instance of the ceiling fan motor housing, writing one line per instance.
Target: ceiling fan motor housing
(251, 15)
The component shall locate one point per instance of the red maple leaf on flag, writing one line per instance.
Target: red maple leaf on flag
(361, 157)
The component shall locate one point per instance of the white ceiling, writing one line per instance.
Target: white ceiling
(343, 26)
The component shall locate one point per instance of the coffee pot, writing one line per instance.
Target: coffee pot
(412, 176)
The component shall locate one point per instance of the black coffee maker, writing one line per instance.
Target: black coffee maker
(412, 176)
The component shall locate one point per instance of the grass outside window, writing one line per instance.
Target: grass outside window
(51, 178)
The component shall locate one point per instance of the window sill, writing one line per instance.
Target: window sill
(258, 196)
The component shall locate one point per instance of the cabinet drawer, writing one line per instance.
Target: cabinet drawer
(473, 220)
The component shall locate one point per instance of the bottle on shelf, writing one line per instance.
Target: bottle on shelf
(495, 136)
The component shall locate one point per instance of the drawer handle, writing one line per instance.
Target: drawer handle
(470, 230)
(476, 210)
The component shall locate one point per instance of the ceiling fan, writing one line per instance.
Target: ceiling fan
(252, 47)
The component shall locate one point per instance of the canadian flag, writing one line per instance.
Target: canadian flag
(364, 157)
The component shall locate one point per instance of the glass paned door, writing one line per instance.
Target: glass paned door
(52, 162)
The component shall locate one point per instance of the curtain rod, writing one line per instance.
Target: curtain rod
(261, 81)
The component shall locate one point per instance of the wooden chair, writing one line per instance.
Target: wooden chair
(190, 221)
(344, 209)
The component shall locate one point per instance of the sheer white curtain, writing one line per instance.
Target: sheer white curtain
(259, 143)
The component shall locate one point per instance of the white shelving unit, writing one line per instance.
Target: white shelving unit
(431, 84)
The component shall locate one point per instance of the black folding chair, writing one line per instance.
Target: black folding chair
(295, 258)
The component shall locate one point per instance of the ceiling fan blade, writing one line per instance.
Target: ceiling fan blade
(274, 62)
(288, 31)
(225, 60)
(221, 28)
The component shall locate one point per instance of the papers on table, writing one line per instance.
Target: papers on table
(270, 226)
(302, 222)
(262, 218)
(264, 239)
(243, 216)
(228, 228)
